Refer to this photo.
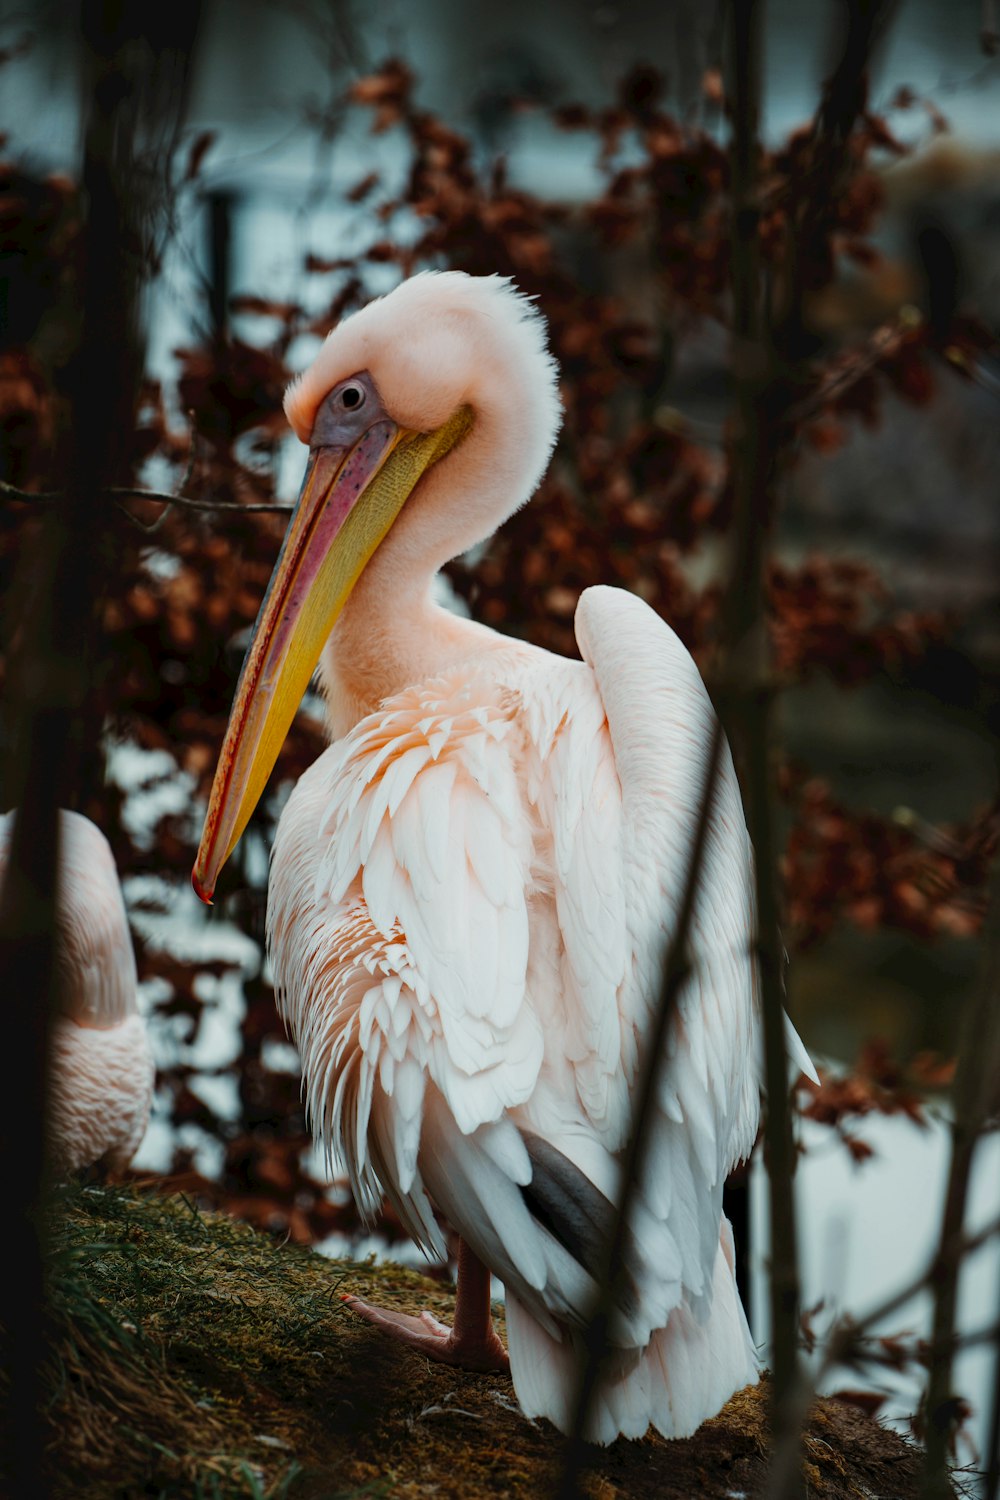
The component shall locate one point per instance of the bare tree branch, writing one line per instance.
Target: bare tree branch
(748, 700)
(169, 499)
(949, 1254)
(991, 1483)
(133, 492)
(974, 1097)
(130, 94)
(768, 350)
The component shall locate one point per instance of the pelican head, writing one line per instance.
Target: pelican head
(429, 415)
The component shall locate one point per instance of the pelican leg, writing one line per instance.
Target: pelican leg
(471, 1344)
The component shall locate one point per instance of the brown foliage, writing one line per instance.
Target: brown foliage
(877, 1084)
(879, 873)
(635, 497)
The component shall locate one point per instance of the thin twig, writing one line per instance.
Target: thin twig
(188, 478)
(971, 1340)
(883, 341)
(676, 970)
(973, 1098)
(950, 1254)
(131, 492)
(273, 507)
(120, 492)
(894, 1352)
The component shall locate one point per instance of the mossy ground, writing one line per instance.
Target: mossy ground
(193, 1356)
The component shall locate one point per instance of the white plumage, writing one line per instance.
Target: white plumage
(472, 889)
(101, 1066)
(467, 907)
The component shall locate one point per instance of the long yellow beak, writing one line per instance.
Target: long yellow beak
(350, 497)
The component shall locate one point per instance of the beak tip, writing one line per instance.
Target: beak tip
(204, 893)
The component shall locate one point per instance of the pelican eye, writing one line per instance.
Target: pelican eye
(345, 411)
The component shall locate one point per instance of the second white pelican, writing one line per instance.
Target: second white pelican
(101, 1069)
(471, 890)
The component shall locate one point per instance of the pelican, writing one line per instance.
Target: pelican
(471, 889)
(100, 1063)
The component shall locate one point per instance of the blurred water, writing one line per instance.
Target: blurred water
(868, 1230)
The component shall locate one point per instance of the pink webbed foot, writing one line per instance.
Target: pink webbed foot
(479, 1350)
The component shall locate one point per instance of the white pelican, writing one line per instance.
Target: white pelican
(100, 1063)
(471, 888)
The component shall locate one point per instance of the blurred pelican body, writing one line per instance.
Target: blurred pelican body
(472, 889)
(101, 1065)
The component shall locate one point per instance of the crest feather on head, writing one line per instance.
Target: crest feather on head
(435, 342)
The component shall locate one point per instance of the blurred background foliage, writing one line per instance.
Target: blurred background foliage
(328, 150)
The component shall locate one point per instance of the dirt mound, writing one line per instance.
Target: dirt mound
(224, 1364)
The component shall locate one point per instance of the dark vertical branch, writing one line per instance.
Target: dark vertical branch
(220, 224)
(975, 1097)
(746, 680)
(991, 1483)
(52, 709)
(27, 979)
(769, 345)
